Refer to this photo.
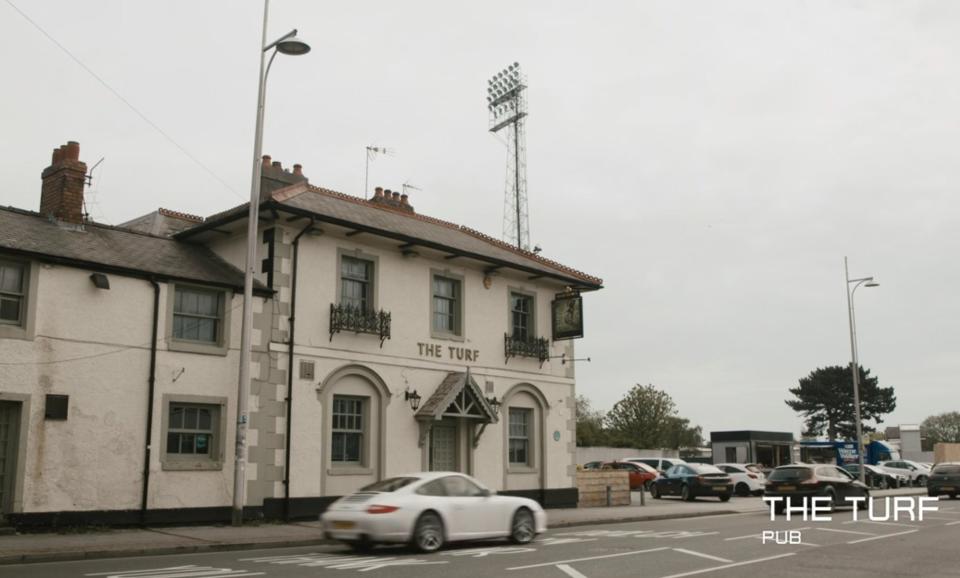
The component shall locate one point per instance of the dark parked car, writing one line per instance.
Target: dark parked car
(798, 481)
(689, 481)
(876, 477)
(944, 479)
(592, 465)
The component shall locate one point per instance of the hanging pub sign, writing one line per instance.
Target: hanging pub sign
(567, 316)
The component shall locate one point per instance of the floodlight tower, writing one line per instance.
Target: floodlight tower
(508, 108)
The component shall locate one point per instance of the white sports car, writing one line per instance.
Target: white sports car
(429, 509)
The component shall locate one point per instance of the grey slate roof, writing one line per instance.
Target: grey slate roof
(101, 246)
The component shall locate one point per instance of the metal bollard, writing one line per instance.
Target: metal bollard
(642, 501)
(608, 496)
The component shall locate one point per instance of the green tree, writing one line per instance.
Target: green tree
(647, 417)
(825, 399)
(590, 430)
(944, 427)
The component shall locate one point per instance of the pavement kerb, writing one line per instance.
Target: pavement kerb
(648, 518)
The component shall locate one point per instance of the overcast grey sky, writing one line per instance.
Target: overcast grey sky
(712, 161)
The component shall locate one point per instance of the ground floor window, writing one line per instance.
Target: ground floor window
(193, 432)
(348, 430)
(519, 439)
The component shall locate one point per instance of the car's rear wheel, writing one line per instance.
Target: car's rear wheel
(832, 498)
(884, 484)
(922, 480)
(654, 492)
(523, 528)
(428, 533)
(685, 494)
(862, 505)
(742, 489)
(779, 507)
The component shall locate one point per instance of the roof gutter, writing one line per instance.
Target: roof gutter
(413, 241)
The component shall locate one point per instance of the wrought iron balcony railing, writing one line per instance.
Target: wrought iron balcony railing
(537, 347)
(358, 320)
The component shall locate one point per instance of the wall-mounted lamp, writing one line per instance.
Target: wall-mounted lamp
(413, 397)
(100, 280)
(495, 404)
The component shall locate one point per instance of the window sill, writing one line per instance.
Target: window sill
(522, 470)
(189, 466)
(196, 347)
(11, 331)
(349, 471)
(447, 336)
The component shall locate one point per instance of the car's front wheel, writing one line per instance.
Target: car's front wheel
(654, 492)
(725, 498)
(428, 533)
(522, 528)
(922, 481)
(742, 489)
(686, 495)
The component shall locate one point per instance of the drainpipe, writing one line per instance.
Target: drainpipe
(290, 343)
(152, 381)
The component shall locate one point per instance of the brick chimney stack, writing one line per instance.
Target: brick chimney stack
(393, 199)
(61, 196)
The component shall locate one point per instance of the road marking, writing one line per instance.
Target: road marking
(570, 571)
(725, 566)
(883, 536)
(880, 523)
(191, 571)
(702, 555)
(589, 558)
(845, 531)
(952, 523)
(755, 536)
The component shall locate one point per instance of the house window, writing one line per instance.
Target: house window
(12, 294)
(348, 426)
(446, 305)
(519, 438)
(731, 455)
(521, 315)
(197, 315)
(356, 283)
(191, 431)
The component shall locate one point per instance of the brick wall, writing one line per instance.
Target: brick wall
(593, 488)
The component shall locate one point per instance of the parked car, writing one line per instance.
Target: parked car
(944, 479)
(798, 481)
(428, 509)
(878, 476)
(641, 475)
(747, 478)
(592, 465)
(659, 464)
(915, 471)
(690, 481)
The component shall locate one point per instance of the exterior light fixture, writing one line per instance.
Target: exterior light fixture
(100, 280)
(413, 397)
(495, 404)
(293, 46)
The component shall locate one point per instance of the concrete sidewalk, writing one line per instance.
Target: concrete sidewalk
(20, 548)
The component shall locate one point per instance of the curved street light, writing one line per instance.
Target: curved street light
(291, 45)
(855, 364)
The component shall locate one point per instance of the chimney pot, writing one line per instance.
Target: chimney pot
(298, 169)
(277, 164)
(73, 150)
(378, 192)
(404, 199)
(57, 156)
(396, 197)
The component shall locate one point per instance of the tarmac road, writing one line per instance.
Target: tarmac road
(722, 546)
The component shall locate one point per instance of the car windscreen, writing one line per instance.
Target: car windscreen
(790, 474)
(705, 469)
(388, 485)
(947, 469)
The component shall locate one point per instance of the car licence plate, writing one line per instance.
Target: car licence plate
(947, 488)
(787, 488)
(721, 488)
(342, 525)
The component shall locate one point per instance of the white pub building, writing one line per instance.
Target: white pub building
(385, 341)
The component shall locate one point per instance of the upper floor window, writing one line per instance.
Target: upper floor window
(356, 283)
(521, 316)
(447, 300)
(197, 315)
(12, 293)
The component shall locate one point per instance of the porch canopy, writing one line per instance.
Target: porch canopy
(457, 396)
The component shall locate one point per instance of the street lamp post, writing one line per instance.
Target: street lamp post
(855, 364)
(286, 44)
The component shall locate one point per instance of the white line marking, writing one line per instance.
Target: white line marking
(725, 566)
(880, 523)
(754, 536)
(845, 531)
(590, 558)
(952, 523)
(883, 536)
(570, 571)
(702, 555)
